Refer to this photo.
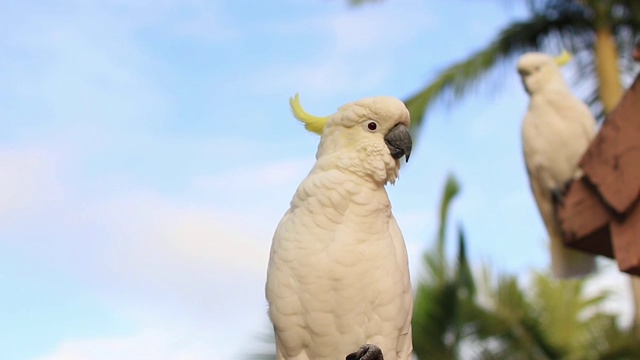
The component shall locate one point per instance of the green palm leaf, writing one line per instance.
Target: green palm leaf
(461, 78)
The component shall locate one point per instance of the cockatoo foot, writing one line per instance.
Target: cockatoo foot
(557, 195)
(366, 352)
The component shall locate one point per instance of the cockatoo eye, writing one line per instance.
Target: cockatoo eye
(372, 126)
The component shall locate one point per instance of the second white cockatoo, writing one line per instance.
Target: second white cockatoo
(338, 273)
(556, 131)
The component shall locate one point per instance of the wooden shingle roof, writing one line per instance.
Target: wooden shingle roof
(601, 212)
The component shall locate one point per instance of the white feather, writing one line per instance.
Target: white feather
(338, 275)
(556, 131)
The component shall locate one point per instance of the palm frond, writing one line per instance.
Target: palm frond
(464, 276)
(456, 81)
(451, 190)
(444, 294)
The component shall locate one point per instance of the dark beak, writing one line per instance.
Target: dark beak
(398, 140)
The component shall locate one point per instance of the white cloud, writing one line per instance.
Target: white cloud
(134, 225)
(84, 69)
(268, 175)
(28, 180)
(151, 255)
(359, 48)
(158, 235)
(322, 75)
(191, 19)
(156, 257)
(148, 344)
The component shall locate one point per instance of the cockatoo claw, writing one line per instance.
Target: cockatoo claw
(366, 352)
(557, 195)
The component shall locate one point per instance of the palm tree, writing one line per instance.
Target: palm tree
(599, 33)
(444, 295)
(547, 318)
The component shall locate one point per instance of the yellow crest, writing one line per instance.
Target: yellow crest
(312, 123)
(563, 58)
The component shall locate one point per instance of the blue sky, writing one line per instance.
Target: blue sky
(147, 153)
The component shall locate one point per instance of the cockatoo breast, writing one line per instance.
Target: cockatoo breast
(336, 256)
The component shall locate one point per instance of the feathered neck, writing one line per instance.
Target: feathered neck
(371, 165)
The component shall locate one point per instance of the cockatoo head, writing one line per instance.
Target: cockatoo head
(367, 137)
(539, 70)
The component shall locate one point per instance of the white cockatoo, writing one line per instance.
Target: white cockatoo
(556, 131)
(338, 273)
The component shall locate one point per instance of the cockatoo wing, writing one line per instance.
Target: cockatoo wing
(404, 346)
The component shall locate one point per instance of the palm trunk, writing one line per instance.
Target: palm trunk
(607, 69)
(606, 56)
